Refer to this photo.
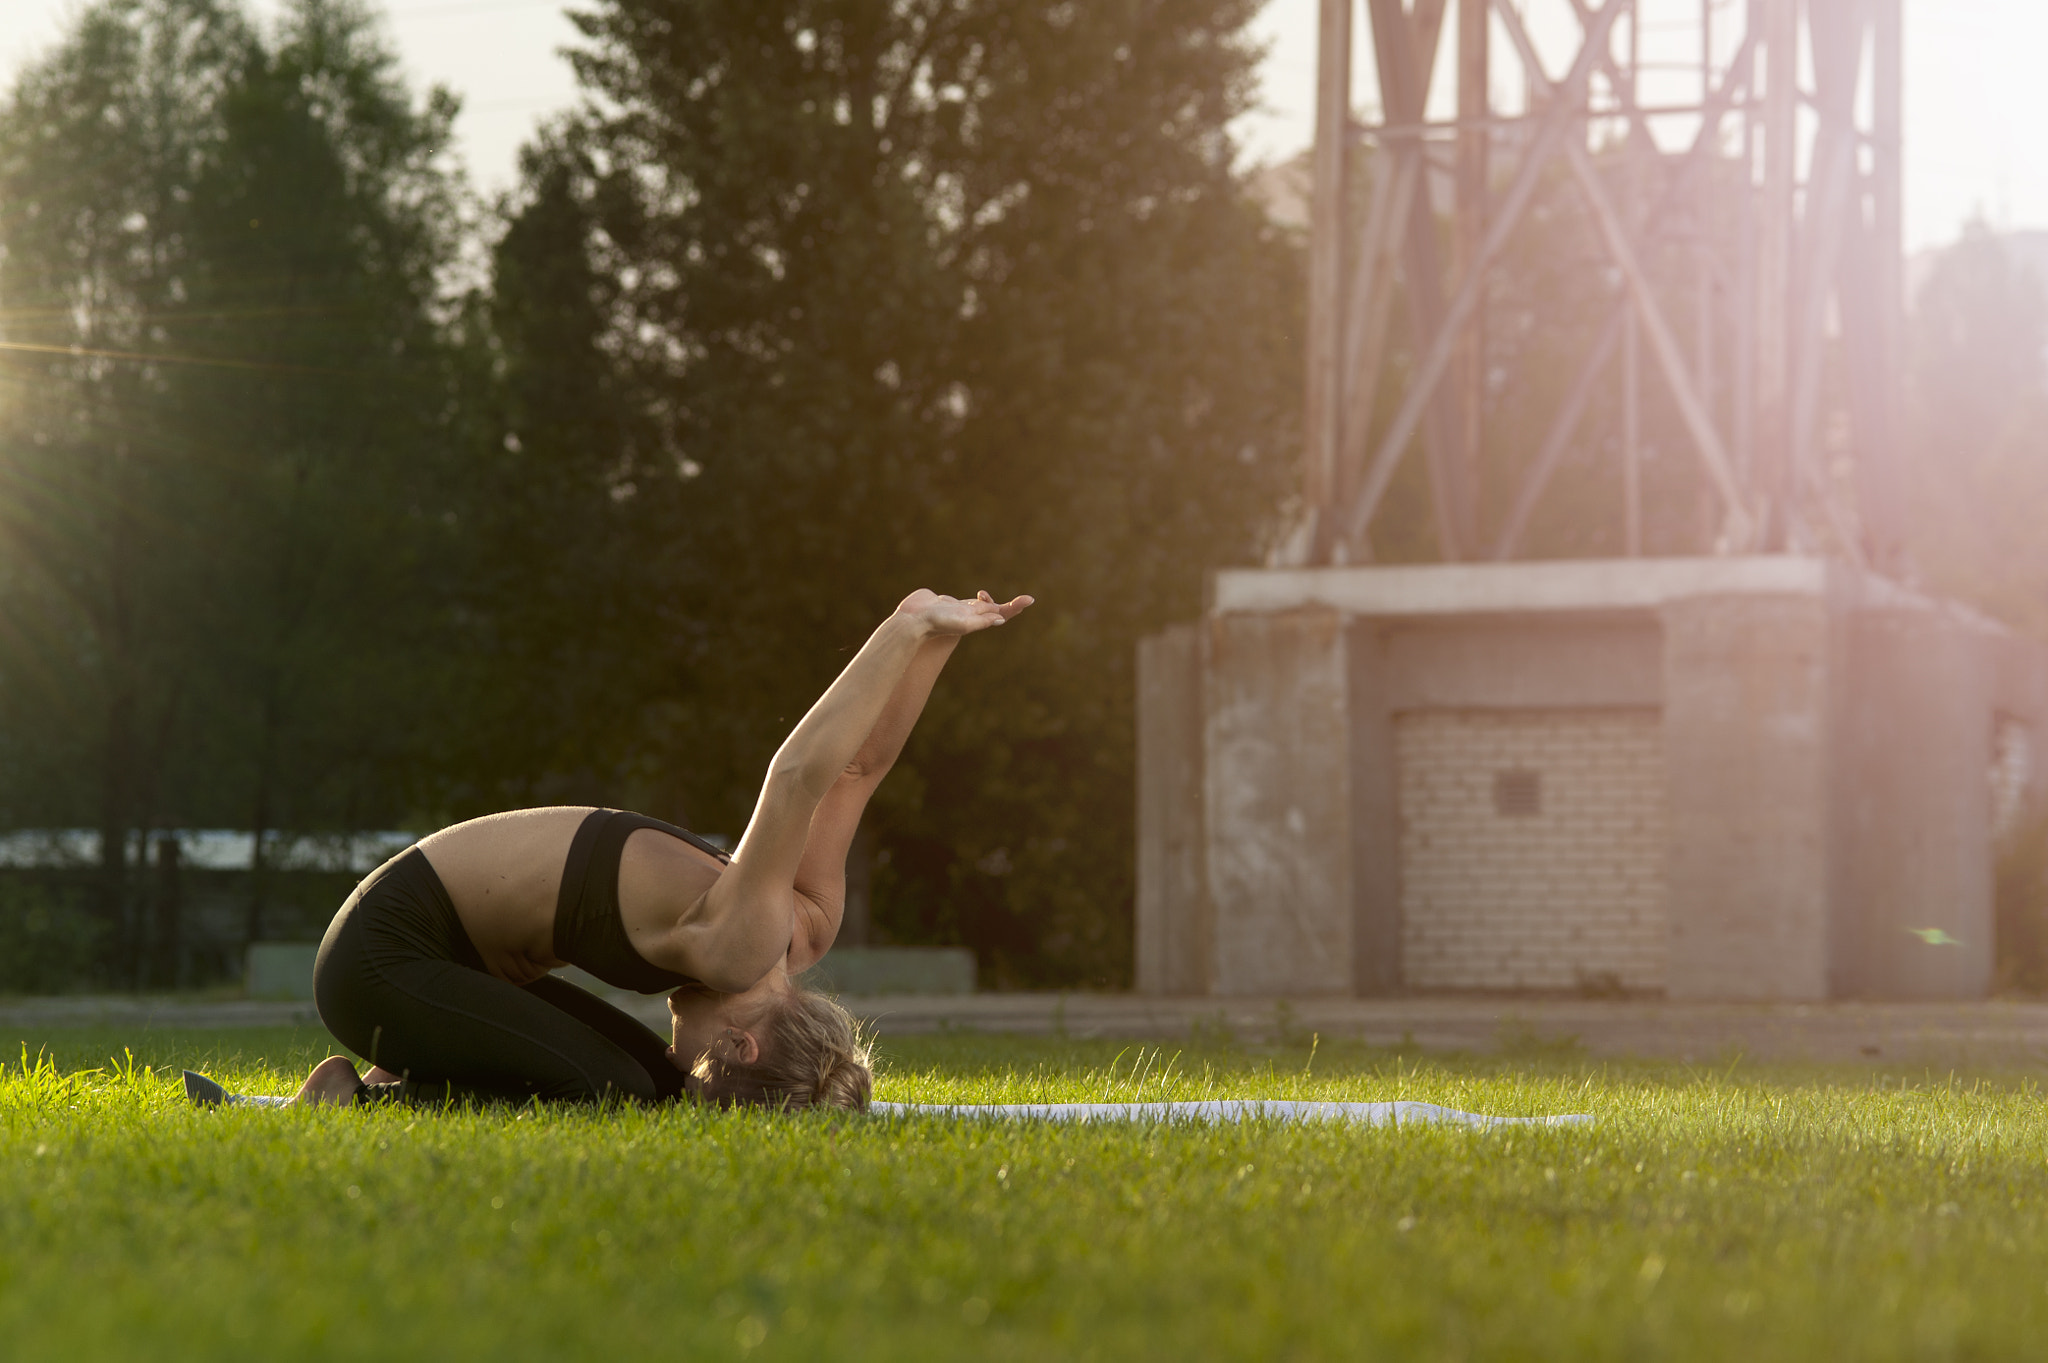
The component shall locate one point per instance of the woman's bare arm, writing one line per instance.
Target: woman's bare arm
(745, 924)
(820, 881)
(821, 873)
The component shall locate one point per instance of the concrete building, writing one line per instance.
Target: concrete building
(1729, 778)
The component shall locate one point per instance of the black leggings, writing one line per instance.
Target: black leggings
(399, 981)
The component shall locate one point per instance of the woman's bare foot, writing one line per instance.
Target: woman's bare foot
(333, 1080)
(379, 1075)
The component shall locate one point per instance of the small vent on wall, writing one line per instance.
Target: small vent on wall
(1517, 792)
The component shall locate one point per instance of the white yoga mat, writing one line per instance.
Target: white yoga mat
(1227, 1110)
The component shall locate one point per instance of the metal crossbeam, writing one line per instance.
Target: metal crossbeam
(1540, 470)
(1556, 122)
(1789, 233)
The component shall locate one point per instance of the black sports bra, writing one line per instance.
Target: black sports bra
(589, 930)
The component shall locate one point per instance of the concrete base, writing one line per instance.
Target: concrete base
(1747, 748)
(280, 970)
(1826, 743)
(879, 971)
(1277, 773)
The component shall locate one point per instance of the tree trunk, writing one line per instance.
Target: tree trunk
(116, 776)
(167, 892)
(118, 755)
(259, 870)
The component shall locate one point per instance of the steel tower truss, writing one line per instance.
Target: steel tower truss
(1785, 385)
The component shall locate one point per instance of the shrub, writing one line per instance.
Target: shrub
(49, 942)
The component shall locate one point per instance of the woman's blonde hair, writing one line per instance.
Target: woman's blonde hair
(812, 1054)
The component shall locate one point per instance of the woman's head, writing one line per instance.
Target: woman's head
(777, 1045)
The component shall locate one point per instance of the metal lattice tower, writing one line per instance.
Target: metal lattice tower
(1785, 384)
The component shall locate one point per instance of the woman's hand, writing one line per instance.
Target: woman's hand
(949, 615)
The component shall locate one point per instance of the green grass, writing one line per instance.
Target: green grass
(1740, 1212)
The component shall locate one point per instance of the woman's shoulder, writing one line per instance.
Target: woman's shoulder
(520, 825)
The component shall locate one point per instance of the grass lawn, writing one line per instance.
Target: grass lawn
(1740, 1212)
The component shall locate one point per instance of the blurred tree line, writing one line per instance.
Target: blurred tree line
(1979, 411)
(331, 498)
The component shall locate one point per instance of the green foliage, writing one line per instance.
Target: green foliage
(1980, 325)
(101, 588)
(219, 273)
(955, 294)
(559, 603)
(318, 393)
(1979, 408)
(815, 304)
(48, 943)
(1778, 1214)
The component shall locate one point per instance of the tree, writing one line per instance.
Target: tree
(1978, 402)
(558, 616)
(321, 228)
(220, 282)
(95, 148)
(832, 299)
(961, 292)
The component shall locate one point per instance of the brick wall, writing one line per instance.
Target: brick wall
(1532, 848)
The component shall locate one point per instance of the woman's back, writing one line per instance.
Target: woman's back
(503, 873)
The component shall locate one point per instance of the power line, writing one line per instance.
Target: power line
(403, 14)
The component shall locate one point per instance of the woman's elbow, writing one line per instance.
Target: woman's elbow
(803, 774)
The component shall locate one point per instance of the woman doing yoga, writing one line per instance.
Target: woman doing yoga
(437, 966)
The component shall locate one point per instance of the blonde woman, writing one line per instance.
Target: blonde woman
(437, 967)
